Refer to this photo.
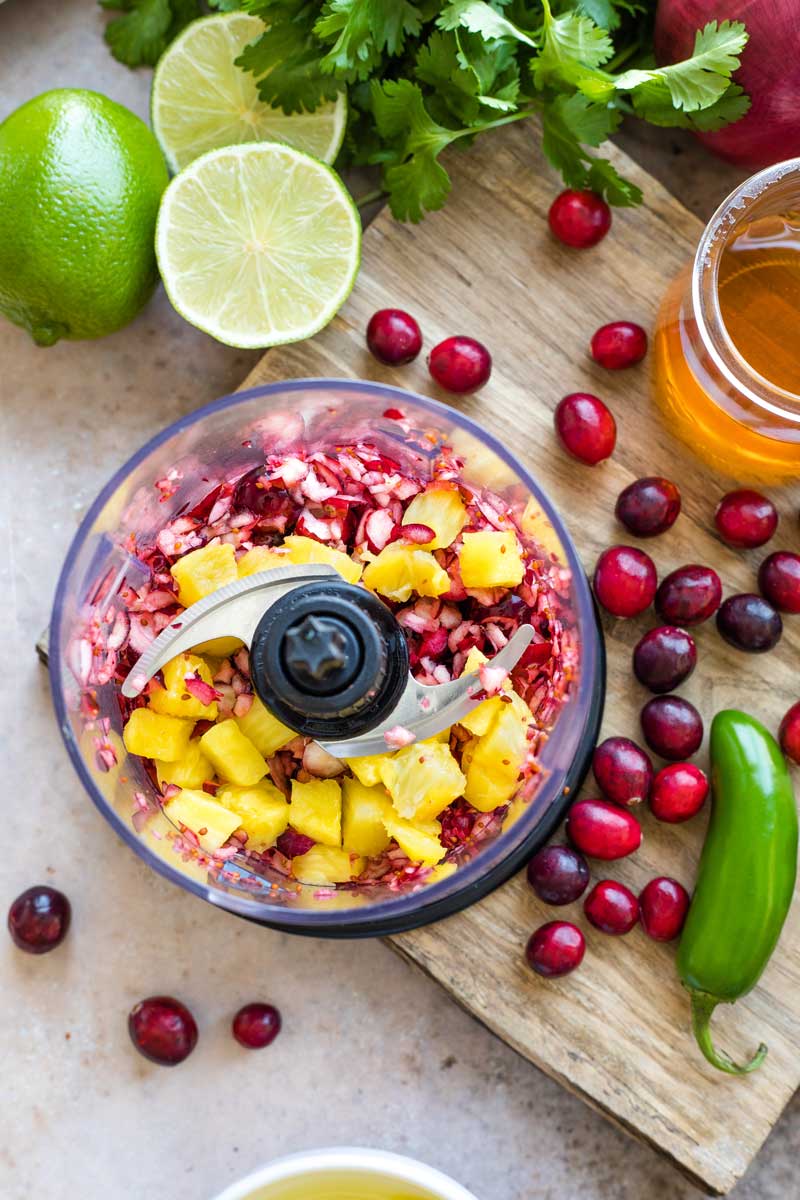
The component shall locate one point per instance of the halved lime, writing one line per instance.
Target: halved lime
(201, 100)
(258, 244)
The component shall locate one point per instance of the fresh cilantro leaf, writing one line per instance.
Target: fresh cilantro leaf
(565, 124)
(659, 110)
(571, 44)
(224, 5)
(699, 81)
(286, 58)
(588, 123)
(479, 17)
(604, 178)
(454, 91)
(416, 182)
(140, 36)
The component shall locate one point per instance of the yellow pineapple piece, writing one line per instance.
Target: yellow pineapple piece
(367, 770)
(422, 780)
(495, 761)
(482, 716)
(155, 736)
(202, 571)
(265, 731)
(400, 570)
(316, 810)
(263, 812)
(306, 550)
(419, 840)
(443, 871)
(363, 810)
(233, 755)
(491, 559)
(174, 699)
(218, 648)
(260, 558)
(210, 821)
(326, 864)
(443, 510)
(191, 770)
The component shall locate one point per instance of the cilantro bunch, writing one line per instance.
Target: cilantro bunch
(422, 74)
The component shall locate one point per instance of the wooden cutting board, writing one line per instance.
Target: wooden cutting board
(617, 1031)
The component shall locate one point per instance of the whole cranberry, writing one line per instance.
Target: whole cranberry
(746, 519)
(460, 364)
(672, 727)
(38, 919)
(585, 428)
(789, 733)
(779, 580)
(679, 791)
(393, 336)
(625, 581)
(619, 344)
(256, 1025)
(663, 905)
(558, 874)
(750, 623)
(555, 948)
(579, 218)
(689, 595)
(611, 907)
(603, 830)
(163, 1030)
(623, 771)
(664, 658)
(649, 506)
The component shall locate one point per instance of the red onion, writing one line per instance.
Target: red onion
(318, 762)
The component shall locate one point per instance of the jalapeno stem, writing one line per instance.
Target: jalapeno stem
(703, 1006)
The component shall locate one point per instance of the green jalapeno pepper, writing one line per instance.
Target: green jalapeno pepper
(746, 878)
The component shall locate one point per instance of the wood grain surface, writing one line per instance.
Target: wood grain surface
(617, 1031)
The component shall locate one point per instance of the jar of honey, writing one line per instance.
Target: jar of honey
(728, 336)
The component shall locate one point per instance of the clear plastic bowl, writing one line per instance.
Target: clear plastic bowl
(226, 439)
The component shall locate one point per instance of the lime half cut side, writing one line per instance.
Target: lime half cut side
(258, 244)
(201, 100)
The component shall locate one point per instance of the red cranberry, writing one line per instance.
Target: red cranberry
(625, 581)
(555, 948)
(256, 1025)
(663, 905)
(586, 428)
(292, 844)
(789, 733)
(393, 336)
(679, 791)
(38, 919)
(689, 596)
(619, 344)
(603, 830)
(746, 519)
(779, 580)
(664, 657)
(649, 506)
(611, 907)
(672, 727)
(558, 874)
(750, 623)
(623, 771)
(163, 1030)
(460, 364)
(579, 218)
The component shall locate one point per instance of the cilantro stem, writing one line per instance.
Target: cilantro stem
(471, 130)
(370, 197)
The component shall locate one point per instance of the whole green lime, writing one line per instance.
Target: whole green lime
(81, 180)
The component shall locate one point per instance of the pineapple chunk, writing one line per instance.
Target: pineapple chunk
(155, 736)
(367, 770)
(400, 570)
(260, 558)
(316, 810)
(326, 864)
(363, 810)
(211, 822)
(219, 648)
(191, 770)
(495, 760)
(422, 780)
(306, 550)
(263, 812)
(202, 571)
(443, 510)
(475, 660)
(481, 717)
(420, 841)
(491, 559)
(174, 700)
(233, 755)
(265, 731)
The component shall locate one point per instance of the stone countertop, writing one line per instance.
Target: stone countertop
(372, 1053)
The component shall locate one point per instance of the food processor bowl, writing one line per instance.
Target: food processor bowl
(169, 476)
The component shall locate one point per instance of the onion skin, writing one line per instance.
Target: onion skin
(770, 73)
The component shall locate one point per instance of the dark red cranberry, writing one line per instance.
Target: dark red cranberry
(664, 657)
(625, 581)
(163, 1030)
(611, 907)
(558, 874)
(746, 519)
(256, 1025)
(750, 623)
(689, 595)
(555, 948)
(586, 428)
(393, 336)
(579, 218)
(460, 364)
(779, 580)
(789, 733)
(619, 344)
(292, 844)
(649, 506)
(679, 791)
(663, 905)
(603, 830)
(672, 727)
(38, 919)
(623, 771)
